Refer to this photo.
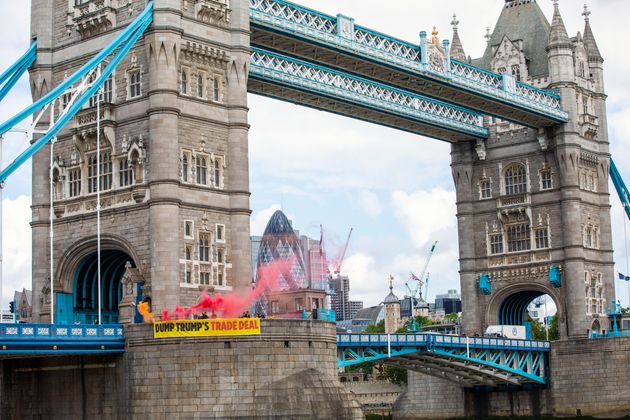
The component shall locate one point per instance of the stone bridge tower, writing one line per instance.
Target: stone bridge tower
(174, 172)
(533, 206)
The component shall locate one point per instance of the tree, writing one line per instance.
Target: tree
(393, 374)
(538, 329)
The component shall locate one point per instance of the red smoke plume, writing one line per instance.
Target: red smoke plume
(233, 304)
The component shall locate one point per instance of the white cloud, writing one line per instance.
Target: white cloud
(16, 270)
(258, 222)
(370, 203)
(425, 213)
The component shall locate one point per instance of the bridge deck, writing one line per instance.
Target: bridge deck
(468, 361)
(48, 340)
(294, 30)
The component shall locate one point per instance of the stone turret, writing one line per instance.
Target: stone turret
(392, 310)
(595, 59)
(560, 50)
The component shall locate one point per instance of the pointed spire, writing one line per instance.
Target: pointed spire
(457, 49)
(589, 38)
(558, 37)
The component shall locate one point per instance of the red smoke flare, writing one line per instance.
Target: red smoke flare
(233, 304)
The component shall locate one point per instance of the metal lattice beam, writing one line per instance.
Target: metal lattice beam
(285, 26)
(468, 361)
(297, 74)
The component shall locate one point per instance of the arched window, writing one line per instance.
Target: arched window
(515, 179)
(184, 82)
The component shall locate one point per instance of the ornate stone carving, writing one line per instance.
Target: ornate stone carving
(480, 148)
(94, 17)
(213, 11)
(203, 54)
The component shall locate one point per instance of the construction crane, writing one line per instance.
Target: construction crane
(417, 291)
(343, 254)
(334, 266)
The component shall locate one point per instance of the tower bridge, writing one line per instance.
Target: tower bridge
(162, 159)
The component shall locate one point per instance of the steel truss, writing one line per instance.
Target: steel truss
(289, 71)
(342, 34)
(470, 362)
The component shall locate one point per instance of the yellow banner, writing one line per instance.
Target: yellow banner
(218, 327)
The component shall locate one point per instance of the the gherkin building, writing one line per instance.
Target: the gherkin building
(280, 243)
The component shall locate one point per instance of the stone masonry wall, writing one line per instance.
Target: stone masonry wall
(288, 371)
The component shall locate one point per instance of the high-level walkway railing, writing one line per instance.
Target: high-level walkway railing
(468, 361)
(276, 70)
(275, 23)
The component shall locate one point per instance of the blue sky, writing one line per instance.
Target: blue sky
(394, 188)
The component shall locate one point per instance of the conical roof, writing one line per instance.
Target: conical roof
(589, 39)
(391, 297)
(457, 49)
(558, 36)
(521, 20)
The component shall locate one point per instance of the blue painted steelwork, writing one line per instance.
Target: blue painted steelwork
(555, 276)
(513, 308)
(46, 339)
(485, 285)
(469, 361)
(9, 78)
(289, 71)
(340, 33)
(129, 33)
(138, 26)
(620, 186)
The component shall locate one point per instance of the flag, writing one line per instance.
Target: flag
(624, 277)
(413, 277)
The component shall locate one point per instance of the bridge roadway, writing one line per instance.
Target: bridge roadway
(336, 42)
(467, 361)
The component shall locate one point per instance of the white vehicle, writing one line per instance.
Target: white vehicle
(506, 331)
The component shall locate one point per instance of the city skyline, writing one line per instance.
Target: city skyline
(333, 170)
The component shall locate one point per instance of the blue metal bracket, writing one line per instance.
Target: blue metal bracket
(485, 285)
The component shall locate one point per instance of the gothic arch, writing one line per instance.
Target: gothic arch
(72, 258)
(518, 297)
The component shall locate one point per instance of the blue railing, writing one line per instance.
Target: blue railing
(61, 339)
(341, 33)
(383, 340)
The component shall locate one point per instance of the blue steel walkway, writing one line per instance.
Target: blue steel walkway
(423, 68)
(468, 361)
(31, 340)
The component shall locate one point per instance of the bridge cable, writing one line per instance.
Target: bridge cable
(72, 110)
(98, 193)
